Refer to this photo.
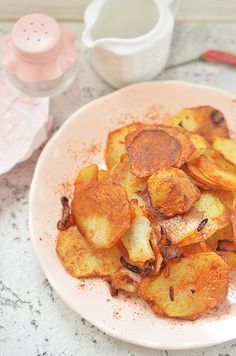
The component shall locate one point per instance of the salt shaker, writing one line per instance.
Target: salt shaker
(39, 56)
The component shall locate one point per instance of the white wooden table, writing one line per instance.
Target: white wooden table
(33, 321)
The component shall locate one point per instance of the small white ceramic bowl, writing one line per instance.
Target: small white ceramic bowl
(128, 41)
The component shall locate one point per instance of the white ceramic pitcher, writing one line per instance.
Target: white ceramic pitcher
(128, 40)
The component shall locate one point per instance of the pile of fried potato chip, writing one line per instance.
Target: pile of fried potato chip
(160, 222)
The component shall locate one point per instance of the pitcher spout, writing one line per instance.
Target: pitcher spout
(91, 16)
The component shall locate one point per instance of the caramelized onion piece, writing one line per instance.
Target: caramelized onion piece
(202, 224)
(171, 293)
(66, 219)
(120, 281)
(129, 266)
(168, 252)
(148, 267)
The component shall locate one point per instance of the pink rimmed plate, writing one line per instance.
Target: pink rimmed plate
(81, 141)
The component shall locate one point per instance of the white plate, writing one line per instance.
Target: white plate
(79, 141)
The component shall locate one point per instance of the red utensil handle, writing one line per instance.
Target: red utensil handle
(219, 56)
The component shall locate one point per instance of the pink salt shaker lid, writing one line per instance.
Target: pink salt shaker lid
(38, 49)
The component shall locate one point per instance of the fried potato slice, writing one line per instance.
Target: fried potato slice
(185, 118)
(86, 176)
(200, 145)
(115, 146)
(120, 174)
(198, 184)
(199, 179)
(102, 173)
(227, 250)
(203, 120)
(80, 260)
(226, 147)
(182, 136)
(101, 212)
(213, 123)
(214, 210)
(172, 191)
(213, 171)
(195, 285)
(224, 234)
(150, 150)
(121, 281)
(195, 181)
(137, 239)
(227, 198)
(229, 258)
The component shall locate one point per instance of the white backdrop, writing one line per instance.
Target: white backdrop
(190, 10)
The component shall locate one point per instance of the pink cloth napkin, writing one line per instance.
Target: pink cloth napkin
(24, 125)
